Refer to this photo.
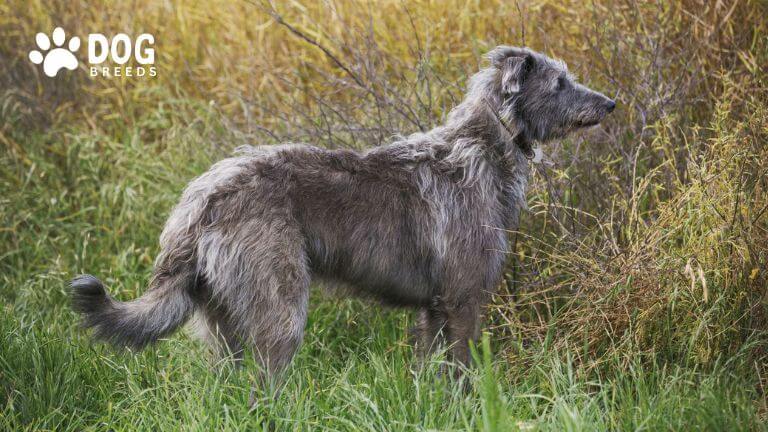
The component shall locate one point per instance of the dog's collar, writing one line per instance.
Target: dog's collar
(525, 146)
(522, 143)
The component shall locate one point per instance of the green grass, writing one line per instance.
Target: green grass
(78, 201)
(353, 373)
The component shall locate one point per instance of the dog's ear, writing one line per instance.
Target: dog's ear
(514, 70)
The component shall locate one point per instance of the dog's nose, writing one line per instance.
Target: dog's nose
(611, 106)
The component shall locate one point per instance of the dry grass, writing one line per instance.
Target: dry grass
(684, 277)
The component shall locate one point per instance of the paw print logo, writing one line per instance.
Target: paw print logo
(58, 58)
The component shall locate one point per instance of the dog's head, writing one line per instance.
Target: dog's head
(541, 98)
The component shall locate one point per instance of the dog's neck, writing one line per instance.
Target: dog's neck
(497, 156)
(478, 118)
(518, 139)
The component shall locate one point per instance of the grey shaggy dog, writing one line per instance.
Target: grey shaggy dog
(420, 222)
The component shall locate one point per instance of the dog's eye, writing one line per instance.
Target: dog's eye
(561, 84)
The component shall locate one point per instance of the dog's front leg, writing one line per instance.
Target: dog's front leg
(430, 331)
(462, 322)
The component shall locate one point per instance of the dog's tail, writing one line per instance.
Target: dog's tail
(177, 284)
(165, 306)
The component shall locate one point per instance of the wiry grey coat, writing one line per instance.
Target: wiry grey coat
(420, 222)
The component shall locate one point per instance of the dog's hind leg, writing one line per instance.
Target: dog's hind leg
(278, 321)
(212, 326)
(259, 277)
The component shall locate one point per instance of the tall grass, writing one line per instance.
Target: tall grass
(635, 296)
(684, 275)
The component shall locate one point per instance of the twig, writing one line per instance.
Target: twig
(279, 19)
(522, 22)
